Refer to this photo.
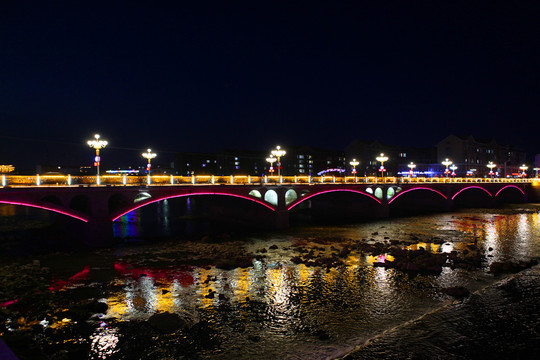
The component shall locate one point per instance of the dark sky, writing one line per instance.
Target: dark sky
(203, 76)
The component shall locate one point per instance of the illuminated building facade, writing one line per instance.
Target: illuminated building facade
(472, 155)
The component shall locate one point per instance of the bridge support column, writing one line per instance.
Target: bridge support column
(383, 211)
(281, 215)
(449, 206)
(281, 219)
(97, 233)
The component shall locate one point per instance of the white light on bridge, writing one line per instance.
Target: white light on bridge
(149, 155)
(382, 158)
(447, 163)
(97, 144)
(278, 153)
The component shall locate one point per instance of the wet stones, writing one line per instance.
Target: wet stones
(166, 322)
(499, 267)
(459, 292)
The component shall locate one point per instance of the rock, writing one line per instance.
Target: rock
(166, 322)
(98, 307)
(164, 291)
(458, 292)
(321, 334)
(273, 247)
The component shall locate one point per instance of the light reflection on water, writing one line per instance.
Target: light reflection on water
(351, 302)
(286, 305)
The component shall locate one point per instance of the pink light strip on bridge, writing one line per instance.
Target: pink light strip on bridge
(194, 194)
(418, 188)
(44, 208)
(328, 191)
(470, 187)
(507, 186)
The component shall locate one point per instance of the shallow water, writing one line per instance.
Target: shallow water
(272, 307)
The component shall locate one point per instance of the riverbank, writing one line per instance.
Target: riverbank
(497, 322)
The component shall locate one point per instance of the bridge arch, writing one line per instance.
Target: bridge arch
(331, 191)
(115, 217)
(290, 196)
(46, 207)
(401, 193)
(507, 187)
(471, 187)
(271, 197)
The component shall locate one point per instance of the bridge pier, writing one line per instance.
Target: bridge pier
(281, 214)
(97, 233)
(281, 219)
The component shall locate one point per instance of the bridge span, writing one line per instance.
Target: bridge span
(97, 202)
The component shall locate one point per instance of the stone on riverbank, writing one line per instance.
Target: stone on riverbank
(499, 267)
(458, 292)
(166, 322)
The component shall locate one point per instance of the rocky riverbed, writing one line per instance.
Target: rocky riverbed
(320, 292)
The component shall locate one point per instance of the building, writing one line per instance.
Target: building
(311, 161)
(471, 156)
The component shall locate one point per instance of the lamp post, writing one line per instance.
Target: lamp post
(278, 153)
(97, 144)
(149, 155)
(491, 165)
(382, 158)
(411, 167)
(523, 168)
(453, 168)
(271, 160)
(536, 171)
(447, 163)
(354, 163)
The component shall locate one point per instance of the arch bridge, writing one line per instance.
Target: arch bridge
(97, 202)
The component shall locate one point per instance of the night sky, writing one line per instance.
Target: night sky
(203, 76)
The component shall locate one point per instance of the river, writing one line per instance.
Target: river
(310, 292)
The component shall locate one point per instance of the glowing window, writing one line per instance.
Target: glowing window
(271, 197)
(379, 193)
(255, 193)
(390, 193)
(290, 196)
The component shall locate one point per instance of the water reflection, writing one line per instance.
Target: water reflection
(103, 342)
(291, 308)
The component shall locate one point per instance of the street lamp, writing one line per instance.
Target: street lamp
(447, 163)
(271, 160)
(453, 168)
(491, 165)
(149, 155)
(382, 158)
(278, 153)
(536, 171)
(523, 168)
(97, 144)
(411, 167)
(354, 163)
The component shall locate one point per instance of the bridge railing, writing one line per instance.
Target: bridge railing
(168, 180)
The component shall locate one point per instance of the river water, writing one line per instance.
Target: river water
(311, 292)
